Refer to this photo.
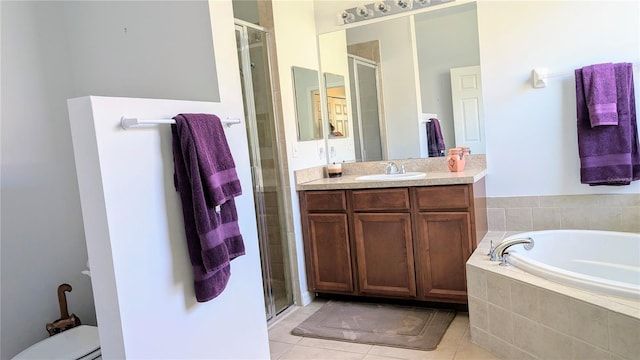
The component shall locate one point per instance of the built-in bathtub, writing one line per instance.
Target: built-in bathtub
(575, 295)
(603, 261)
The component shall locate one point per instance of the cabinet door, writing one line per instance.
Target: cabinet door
(384, 251)
(330, 265)
(443, 245)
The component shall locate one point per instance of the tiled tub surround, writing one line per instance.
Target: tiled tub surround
(520, 316)
(614, 212)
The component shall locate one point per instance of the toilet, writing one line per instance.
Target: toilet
(80, 342)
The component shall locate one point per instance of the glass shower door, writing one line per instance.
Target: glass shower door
(255, 74)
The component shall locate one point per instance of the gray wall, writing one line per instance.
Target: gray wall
(52, 51)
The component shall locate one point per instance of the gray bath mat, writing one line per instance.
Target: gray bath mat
(378, 324)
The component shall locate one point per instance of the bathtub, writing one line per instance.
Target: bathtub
(574, 295)
(603, 261)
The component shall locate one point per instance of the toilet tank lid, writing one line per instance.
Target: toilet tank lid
(71, 344)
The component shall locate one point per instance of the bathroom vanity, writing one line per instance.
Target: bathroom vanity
(406, 239)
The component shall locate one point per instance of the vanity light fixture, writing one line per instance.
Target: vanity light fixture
(383, 8)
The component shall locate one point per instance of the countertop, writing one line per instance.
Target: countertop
(469, 176)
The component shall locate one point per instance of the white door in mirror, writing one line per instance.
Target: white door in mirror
(390, 177)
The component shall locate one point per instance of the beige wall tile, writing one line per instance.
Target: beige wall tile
(569, 201)
(526, 334)
(606, 218)
(555, 345)
(575, 218)
(631, 219)
(555, 310)
(499, 290)
(589, 323)
(513, 202)
(496, 219)
(546, 218)
(524, 300)
(478, 313)
(479, 336)
(500, 323)
(624, 335)
(622, 200)
(518, 219)
(584, 351)
(477, 282)
(503, 348)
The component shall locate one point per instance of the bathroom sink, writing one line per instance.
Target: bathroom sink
(411, 175)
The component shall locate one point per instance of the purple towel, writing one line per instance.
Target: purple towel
(435, 143)
(599, 82)
(609, 154)
(206, 179)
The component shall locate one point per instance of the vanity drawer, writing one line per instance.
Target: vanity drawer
(326, 200)
(381, 199)
(443, 197)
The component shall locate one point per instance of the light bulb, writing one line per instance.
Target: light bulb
(404, 4)
(382, 7)
(346, 17)
(424, 2)
(364, 12)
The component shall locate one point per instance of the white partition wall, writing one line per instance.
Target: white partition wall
(141, 274)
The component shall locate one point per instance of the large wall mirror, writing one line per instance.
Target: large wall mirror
(401, 72)
(308, 111)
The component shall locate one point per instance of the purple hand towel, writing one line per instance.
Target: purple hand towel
(435, 141)
(599, 82)
(206, 179)
(609, 154)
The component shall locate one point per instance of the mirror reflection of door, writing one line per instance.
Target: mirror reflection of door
(365, 98)
(336, 105)
(468, 119)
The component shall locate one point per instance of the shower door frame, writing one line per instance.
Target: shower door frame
(357, 60)
(256, 171)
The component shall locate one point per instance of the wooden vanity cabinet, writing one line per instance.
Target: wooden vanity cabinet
(384, 242)
(409, 243)
(326, 236)
(443, 241)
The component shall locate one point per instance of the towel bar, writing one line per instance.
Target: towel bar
(540, 75)
(129, 122)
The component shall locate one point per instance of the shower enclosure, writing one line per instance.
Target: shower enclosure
(253, 55)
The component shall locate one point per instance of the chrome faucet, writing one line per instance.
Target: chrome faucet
(392, 168)
(498, 253)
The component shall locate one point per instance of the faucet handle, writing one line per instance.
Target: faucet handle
(402, 169)
(490, 247)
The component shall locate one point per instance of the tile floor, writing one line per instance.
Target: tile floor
(455, 345)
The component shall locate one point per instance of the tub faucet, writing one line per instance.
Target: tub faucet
(498, 253)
